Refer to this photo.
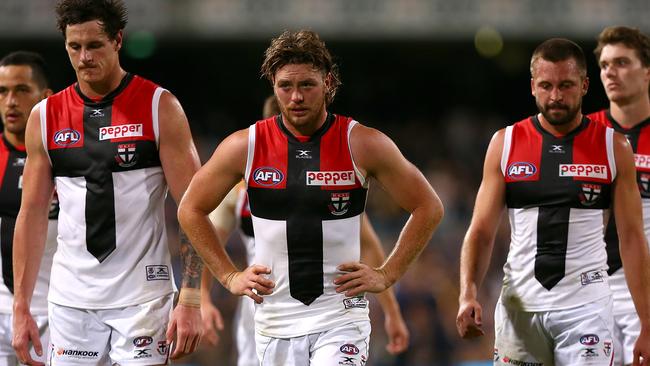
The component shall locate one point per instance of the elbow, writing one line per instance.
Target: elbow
(436, 212)
(185, 214)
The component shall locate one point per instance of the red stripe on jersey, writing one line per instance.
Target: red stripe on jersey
(335, 153)
(269, 168)
(600, 117)
(525, 153)
(589, 147)
(4, 158)
(65, 128)
(133, 107)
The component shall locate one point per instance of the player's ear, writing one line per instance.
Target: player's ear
(532, 86)
(118, 40)
(585, 85)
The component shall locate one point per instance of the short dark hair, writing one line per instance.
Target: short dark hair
(630, 37)
(301, 47)
(35, 61)
(111, 14)
(559, 49)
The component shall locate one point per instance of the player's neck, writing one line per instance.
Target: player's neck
(306, 129)
(631, 114)
(563, 129)
(16, 140)
(100, 89)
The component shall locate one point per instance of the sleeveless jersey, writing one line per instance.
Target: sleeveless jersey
(112, 245)
(306, 200)
(558, 192)
(12, 162)
(639, 138)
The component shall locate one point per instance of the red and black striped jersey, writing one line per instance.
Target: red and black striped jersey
(306, 198)
(639, 138)
(113, 249)
(558, 189)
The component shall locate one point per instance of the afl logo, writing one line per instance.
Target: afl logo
(267, 176)
(589, 339)
(66, 137)
(349, 349)
(521, 170)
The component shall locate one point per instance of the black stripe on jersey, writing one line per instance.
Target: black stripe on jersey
(553, 222)
(7, 225)
(304, 225)
(100, 198)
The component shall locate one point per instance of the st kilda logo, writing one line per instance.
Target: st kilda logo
(339, 204)
(268, 176)
(126, 156)
(589, 193)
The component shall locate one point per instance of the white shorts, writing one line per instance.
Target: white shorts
(343, 346)
(626, 330)
(578, 336)
(7, 355)
(134, 335)
(245, 332)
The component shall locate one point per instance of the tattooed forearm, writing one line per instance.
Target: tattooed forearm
(192, 265)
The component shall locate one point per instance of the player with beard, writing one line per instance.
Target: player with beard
(559, 174)
(307, 172)
(623, 55)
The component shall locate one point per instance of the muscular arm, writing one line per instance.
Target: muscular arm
(29, 235)
(378, 157)
(479, 240)
(628, 213)
(179, 161)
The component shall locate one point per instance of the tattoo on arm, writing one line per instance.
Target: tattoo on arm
(192, 265)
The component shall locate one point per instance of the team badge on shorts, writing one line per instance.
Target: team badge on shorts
(163, 348)
(126, 156)
(340, 203)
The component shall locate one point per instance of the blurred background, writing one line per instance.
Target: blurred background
(437, 76)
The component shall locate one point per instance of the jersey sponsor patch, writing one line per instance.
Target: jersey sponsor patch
(340, 178)
(268, 176)
(587, 278)
(521, 170)
(157, 272)
(642, 161)
(355, 302)
(114, 132)
(66, 137)
(583, 171)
